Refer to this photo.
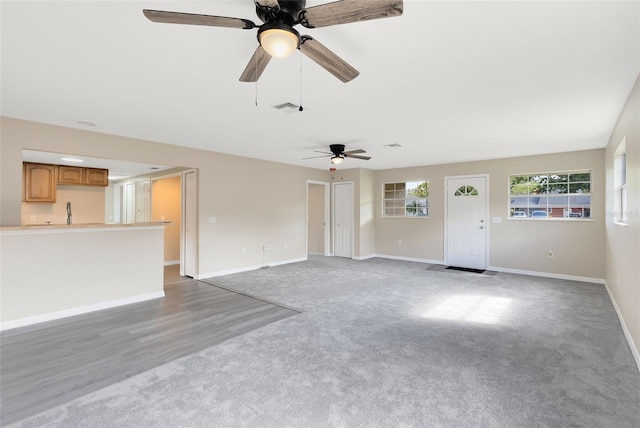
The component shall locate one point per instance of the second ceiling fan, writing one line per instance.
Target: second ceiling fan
(279, 39)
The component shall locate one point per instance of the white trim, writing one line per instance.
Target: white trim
(547, 275)
(367, 257)
(172, 262)
(407, 259)
(634, 349)
(250, 268)
(327, 217)
(184, 220)
(22, 322)
(42, 230)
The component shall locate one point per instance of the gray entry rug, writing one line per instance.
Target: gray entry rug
(384, 343)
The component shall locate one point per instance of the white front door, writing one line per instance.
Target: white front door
(343, 219)
(466, 222)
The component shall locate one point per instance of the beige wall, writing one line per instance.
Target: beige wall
(622, 242)
(87, 206)
(238, 191)
(513, 244)
(166, 205)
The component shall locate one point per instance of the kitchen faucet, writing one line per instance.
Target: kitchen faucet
(68, 212)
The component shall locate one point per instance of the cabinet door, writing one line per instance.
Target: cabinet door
(39, 182)
(70, 174)
(96, 176)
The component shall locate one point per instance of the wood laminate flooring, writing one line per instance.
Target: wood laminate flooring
(48, 364)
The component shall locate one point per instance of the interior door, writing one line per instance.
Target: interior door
(343, 219)
(143, 201)
(466, 222)
(130, 203)
(188, 266)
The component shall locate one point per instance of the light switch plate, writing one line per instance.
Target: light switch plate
(213, 219)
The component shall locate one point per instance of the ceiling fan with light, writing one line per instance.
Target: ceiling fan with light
(338, 154)
(279, 39)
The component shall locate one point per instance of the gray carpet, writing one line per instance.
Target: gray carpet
(385, 343)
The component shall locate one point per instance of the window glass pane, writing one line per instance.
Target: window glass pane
(558, 178)
(580, 177)
(519, 185)
(579, 187)
(558, 188)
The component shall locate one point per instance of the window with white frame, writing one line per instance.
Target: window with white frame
(405, 199)
(559, 194)
(620, 182)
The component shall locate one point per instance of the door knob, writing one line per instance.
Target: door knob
(481, 227)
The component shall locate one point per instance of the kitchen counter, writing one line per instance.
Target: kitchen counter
(67, 227)
(54, 271)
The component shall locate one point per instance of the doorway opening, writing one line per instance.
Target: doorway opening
(318, 202)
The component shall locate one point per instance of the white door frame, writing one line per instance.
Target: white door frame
(327, 220)
(333, 215)
(486, 214)
(183, 226)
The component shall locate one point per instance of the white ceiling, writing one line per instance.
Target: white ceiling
(449, 81)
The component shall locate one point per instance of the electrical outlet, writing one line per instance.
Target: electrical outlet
(399, 242)
(32, 219)
(550, 254)
(266, 247)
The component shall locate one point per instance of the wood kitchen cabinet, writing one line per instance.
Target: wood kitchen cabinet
(96, 177)
(39, 182)
(70, 174)
(83, 176)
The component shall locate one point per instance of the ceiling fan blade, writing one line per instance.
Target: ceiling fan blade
(353, 152)
(326, 153)
(256, 66)
(316, 157)
(326, 59)
(197, 19)
(346, 11)
(357, 156)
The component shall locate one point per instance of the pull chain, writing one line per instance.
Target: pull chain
(300, 108)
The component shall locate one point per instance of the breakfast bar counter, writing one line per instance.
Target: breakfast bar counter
(53, 271)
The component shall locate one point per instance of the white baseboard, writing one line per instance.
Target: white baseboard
(172, 262)
(370, 256)
(634, 349)
(407, 259)
(250, 268)
(547, 275)
(22, 322)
